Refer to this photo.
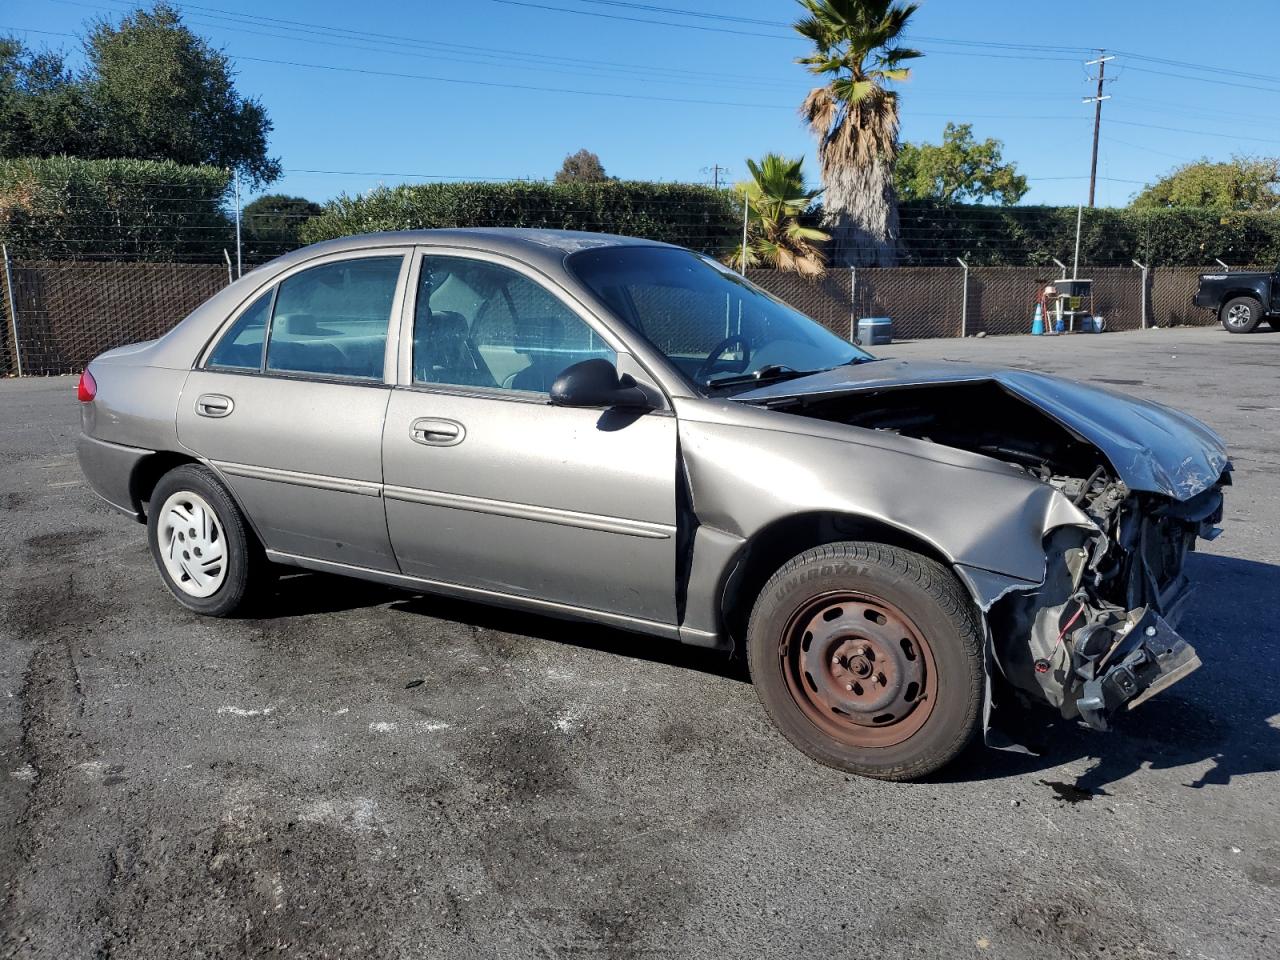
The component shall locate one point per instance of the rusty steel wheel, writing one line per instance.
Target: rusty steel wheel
(868, 658)
(860, 669)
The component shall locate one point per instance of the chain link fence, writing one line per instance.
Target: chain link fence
(65, 313)
(929, 302)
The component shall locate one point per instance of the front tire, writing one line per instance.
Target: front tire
(203, 547)
(1241, 315)
(868, 658)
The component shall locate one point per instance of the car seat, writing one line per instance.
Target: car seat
(540, 339)
(443, 351)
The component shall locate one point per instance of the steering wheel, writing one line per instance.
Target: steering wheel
(707, 367)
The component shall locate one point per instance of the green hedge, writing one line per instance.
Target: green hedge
(65, 208)
(936, 233)
(686, 214)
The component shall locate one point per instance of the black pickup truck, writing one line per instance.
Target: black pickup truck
(1241, 300)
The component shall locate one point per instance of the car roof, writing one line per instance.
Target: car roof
(524, 243)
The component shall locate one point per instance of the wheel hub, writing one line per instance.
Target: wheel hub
(860, 669)
(192, 546)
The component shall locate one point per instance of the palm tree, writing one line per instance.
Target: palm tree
(776, 198)
(855, 118)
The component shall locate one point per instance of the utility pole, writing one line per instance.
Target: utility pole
(715, 170)
(1096, 100)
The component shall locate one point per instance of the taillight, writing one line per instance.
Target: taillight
(87, 389)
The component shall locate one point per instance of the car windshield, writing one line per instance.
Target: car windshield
(723, 332)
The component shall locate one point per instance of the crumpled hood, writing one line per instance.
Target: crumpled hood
(1152, 447)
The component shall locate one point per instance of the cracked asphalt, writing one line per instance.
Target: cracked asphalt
(368, 773)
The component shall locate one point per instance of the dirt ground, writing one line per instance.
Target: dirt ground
(369, 773)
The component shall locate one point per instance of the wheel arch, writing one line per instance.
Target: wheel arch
(778, 541)
(147, 473)
(1235, 294)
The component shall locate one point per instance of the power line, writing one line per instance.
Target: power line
(514, 86)
(436, 49)
(656, 23)
(1221, 83)
(1201, 133)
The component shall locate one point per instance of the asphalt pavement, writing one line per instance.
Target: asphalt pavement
(364, 772)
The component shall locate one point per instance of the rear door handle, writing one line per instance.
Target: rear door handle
(436, 432)
(214, 405)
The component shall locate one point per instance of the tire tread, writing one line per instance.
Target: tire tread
(950, 596)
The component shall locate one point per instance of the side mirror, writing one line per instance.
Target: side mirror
(595, 383)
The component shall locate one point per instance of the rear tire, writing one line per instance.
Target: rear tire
(1241, 315)
(203, 547)
(868, 658)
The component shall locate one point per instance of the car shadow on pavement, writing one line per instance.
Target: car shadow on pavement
(574, 633)
(1225, 714)
(300, 593)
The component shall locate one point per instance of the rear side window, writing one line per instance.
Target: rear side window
(332, 320)
(241, 347)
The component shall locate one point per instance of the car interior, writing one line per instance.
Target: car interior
(476, 324)
(481, 324)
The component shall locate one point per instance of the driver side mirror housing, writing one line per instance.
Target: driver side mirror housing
(595, 383)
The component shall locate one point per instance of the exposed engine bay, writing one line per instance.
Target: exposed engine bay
(1097, 634)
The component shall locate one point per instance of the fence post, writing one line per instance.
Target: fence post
(853, 304)
(239, 262)
(964, 299)
(13, 307)
(1145, 292)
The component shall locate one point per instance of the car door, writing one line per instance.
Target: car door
(491, 487)
(289, 402)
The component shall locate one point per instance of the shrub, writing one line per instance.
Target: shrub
(64, 208)
(686, 214)
(989, 235)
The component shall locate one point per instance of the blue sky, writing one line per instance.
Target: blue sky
(500, 89)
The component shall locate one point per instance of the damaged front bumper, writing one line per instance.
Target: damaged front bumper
(1098, 635)
(1128, 665)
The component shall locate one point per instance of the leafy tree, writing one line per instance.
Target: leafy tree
(43, 109)
(151, 89)
(959, 170)
(272, 225)
(855, 118)
(776, 199)
(1243, 183)
(581, 167)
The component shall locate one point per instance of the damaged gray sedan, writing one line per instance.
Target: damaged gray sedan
(627, 433)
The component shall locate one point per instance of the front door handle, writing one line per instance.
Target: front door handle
(437, 433)
(214, 405)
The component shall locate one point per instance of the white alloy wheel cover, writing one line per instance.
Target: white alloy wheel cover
(192, 545)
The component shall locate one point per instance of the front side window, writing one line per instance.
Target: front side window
(721, 331)
(479, 324)
(331, 320)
